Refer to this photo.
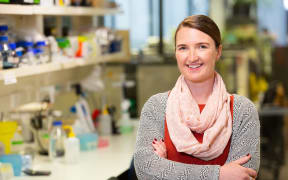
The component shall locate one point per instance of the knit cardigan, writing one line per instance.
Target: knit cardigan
(149, 166)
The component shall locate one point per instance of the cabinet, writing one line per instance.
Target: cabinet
(22, 85)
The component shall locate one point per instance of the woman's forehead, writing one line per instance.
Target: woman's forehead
(191, 35)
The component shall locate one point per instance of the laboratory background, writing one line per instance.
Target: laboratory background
(74, 75)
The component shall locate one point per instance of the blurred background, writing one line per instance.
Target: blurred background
(75, 75)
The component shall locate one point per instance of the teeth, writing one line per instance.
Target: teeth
(194, 66)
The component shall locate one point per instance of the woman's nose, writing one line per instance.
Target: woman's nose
(193, 55)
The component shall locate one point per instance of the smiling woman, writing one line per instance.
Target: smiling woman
(198, 130)
(196, 54)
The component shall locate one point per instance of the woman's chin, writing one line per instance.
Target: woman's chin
(194, 79)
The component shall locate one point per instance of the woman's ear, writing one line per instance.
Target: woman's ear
(219, 52)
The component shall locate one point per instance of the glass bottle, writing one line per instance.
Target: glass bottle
(57, 138)
(6, 52)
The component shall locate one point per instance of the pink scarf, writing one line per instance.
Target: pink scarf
(215, 121)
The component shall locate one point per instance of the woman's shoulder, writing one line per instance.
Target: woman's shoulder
(244, 109)
(240, 102)
(156, 104)
(158, 99)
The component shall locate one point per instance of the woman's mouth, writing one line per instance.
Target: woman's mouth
(194, 66)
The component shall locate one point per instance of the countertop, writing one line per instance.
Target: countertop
(99, 164)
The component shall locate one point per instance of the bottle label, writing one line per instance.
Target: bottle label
(9, 78)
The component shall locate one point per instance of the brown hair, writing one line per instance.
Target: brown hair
(202, 23)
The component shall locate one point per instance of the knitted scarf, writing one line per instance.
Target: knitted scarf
(183, 116)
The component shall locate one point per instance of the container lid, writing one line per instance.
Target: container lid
(105, 111)
(12, 46)
(28, 44)
(63, 42)
(3, 28)
(19, 53)
(40, 43)
(24, 44)
(69, 130)
(20, 43)
(37, 51)
(4, 38)
(57, 123)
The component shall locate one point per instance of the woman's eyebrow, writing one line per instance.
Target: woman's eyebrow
(207, 43)
(179, 45)
(198, 43)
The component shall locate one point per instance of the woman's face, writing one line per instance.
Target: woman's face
(196, 54)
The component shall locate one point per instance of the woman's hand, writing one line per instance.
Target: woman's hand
(236, 171)
(160, 148)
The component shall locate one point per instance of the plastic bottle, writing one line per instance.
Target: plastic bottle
(17, 143)
(6, 52)
(28, 57)
(19, 54)
(44, 51)
(71, 146)
(14, 57)
(125, 121)
(105, 127)
(47, 3)
(56, 142)
(37, 54)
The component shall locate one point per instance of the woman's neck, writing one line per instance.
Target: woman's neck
(201, 90)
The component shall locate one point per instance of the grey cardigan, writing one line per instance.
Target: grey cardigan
(148, 165)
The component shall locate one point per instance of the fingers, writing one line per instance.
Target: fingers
(159, 145)
(252, 173)
(243, 160)
(159, 148)
(159, 151)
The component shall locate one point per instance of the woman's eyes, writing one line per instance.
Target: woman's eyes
(203, 47)
(182, 48)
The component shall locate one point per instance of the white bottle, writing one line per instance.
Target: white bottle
(105, 126)
(71, 146)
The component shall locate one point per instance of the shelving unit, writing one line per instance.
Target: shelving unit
(22, 85)
(56, 10)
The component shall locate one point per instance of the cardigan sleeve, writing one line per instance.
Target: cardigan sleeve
(246, 133)
(150, 166)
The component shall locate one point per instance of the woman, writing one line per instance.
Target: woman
(197, 130)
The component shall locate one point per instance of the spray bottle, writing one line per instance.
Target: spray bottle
(125, 121)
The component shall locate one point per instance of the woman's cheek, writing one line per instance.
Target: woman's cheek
(181, 56)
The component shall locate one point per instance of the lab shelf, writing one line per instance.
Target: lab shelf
(20, 86)
(35, 70)
(56, 10)
(25, 84)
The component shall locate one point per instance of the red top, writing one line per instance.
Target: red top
(173, 155)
